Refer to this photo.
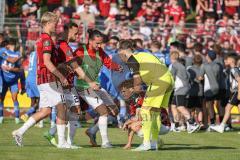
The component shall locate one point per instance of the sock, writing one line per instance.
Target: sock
(102, 123)
(220, 119)
(1, 109)
(156, 125)
(190, 121)
(146, 125)
(61, 133)
(123, 111)
(94, 129)
(30, 122)
(176, 124)
(52, 131)
(72, 127)
(16, 109)
(212, 120)
(31, 111)
(53, 114)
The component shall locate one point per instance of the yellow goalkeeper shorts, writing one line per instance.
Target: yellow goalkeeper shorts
(158, 93)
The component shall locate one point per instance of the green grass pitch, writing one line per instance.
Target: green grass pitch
(179, 146)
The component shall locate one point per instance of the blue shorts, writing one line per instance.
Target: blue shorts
(32, 90)
(13, 86)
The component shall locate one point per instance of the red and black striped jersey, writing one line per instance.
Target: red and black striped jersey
(45, 45)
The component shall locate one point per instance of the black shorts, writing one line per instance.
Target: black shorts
(233, 99)
(195, 102)
(179, 100)
(221, 94)
(211, 98)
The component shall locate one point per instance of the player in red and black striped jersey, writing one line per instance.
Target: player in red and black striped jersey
(51, 93)
(68, 66)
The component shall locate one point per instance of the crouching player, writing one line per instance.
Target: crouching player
(150, 70)
(134, 124)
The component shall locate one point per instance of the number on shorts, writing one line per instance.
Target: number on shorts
(76, 99)
(63, 98)
(97, 99)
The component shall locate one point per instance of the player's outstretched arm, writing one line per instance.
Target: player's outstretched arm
(82, 75)
(50, 66)
(15, 69)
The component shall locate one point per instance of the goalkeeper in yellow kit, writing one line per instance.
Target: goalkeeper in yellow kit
(149, 70)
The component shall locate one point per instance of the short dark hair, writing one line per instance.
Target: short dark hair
(126, 84)
(126, 44)
(198, 47)
(114, 38)
(156, 44)
(181, 47)
(105, 38)
(94, 33)
(70, 25)
(197, 60)
(66, 28)
(137, 42)
(174, 44)
(11, 41)
(232, 55)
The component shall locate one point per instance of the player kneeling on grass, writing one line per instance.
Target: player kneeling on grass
(150, 70)
(231, 62)
(134, 123)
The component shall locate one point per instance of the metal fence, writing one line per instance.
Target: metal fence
(100, 24)
(2, 14)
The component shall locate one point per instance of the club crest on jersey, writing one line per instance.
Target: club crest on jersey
(46, 43)
(4, 54)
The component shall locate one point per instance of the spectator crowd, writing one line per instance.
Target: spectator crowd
(164, 21)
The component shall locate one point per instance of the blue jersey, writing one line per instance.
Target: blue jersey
(160, 56)
(9, 76)
(141, 50)
(167, 56)
(32, 68)
(3, 54)
(109, 79)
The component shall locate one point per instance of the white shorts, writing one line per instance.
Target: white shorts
(51, 94)
(96, 98)
(72, 97)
